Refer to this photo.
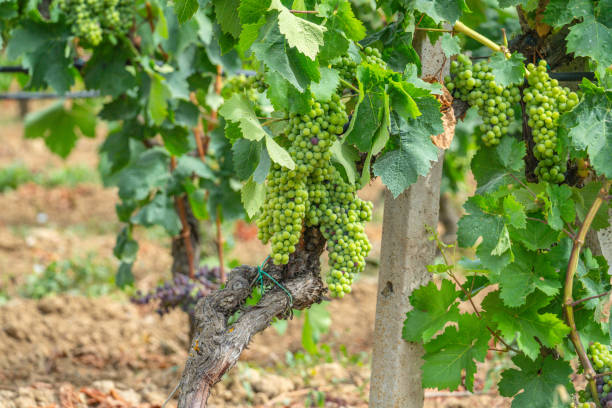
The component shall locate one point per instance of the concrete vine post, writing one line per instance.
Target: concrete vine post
(406, 251)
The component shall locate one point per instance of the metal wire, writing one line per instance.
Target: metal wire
(46, 95)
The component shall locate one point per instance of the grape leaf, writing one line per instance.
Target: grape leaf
(272, 49)
(492, 166)
(227, 16)
(433, 309)
(401, 167)
(584, 197)
(535, 383)
(238, 109)
(160, 211)
(188, 166)
(147, 171)
(253, 196)
(245, 157)
(524, 323)
(536, 235)
(561, 207)
(284, 96)
(453, 352)
(177, 140)
(185, 9)
(341, 17)
(561, 12)
(490, 227)
(590, 128)
(327, 85)
(250, 11)
(441, 10)
(367, 118)
(528, 5)
(591, 39)
(514, 212)
(248, 35)
(529, 271)
(307, 37)
(507, 71)
(604, 12)
(450, 45)
(278, 154)
(335, 44)
(345, 156)
(57, 126)
(158, 99)
(106, 72)
(124, 276)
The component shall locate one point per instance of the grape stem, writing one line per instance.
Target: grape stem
(272, 120)
(186, 232)
(303, 11)
(349, 85)
(567, 292)
(576, 302)
(603, 374)
(467, 294)
(442, 30)
(462, 28)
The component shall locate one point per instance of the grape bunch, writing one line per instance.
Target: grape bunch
(241, 83)
(475, 84)
(315, 194)
(90, 19)
(181, 291)
(347, 68)
(545, 101)
(601, 357)
(340, 215)
(374, 57)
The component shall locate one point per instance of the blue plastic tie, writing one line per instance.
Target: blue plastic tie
(261, 272)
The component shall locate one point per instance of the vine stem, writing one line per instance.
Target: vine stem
(440, 246)
(186, 232)
(462, 28)
(568, 307)
(349, 85)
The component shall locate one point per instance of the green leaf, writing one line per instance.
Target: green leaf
(561, 206)
(341, 17)
(240, 110)
(536, 235)
(177, 140)
(187, 166)
(604, 12)
(584, 197)
(441, 10)
(524, 324)
(248, 35)
(335, 45)
(253, 196)
(124, 276)
(158, 99)
(454, 352)
(125, 247)
(491, 228)
(272, 49)
(346, 156)
(185, 9)
(245, 157)
(491, 166)
(561, 12)
(591, 39)
(529, 272)
(590, 128)
(305, 36)
(433, 309)
(514, 212)
(250, 11)
(507, 71)
(327, 85)
(278, 154)
(284, 96)
(450, 45)
(197, 199)
(367, 118)
(227, 16)
(147, 171)
(106, 71)
(160, 211)
(535, 383)
(57, 126)
(400, 168)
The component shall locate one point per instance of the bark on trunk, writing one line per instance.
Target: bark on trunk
(217, 346)
(406, 251)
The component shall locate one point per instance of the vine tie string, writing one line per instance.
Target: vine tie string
(260, 278)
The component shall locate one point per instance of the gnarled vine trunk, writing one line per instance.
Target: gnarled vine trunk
(217, 345)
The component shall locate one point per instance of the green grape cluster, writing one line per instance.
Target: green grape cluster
(340, 214)
(314, 194)
(241, 83)
(374, 57)
(346, 68)
(475, 84)
(601, 357)
(90, 19)
(545, 101)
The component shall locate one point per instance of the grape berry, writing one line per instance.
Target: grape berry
(90, 19)
(601, 357)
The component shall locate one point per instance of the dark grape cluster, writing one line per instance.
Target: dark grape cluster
(545, 101)
(181, 291)
(475, 84)
(315, 194)
(91, 19)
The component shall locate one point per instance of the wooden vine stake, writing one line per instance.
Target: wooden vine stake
(406, 252)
